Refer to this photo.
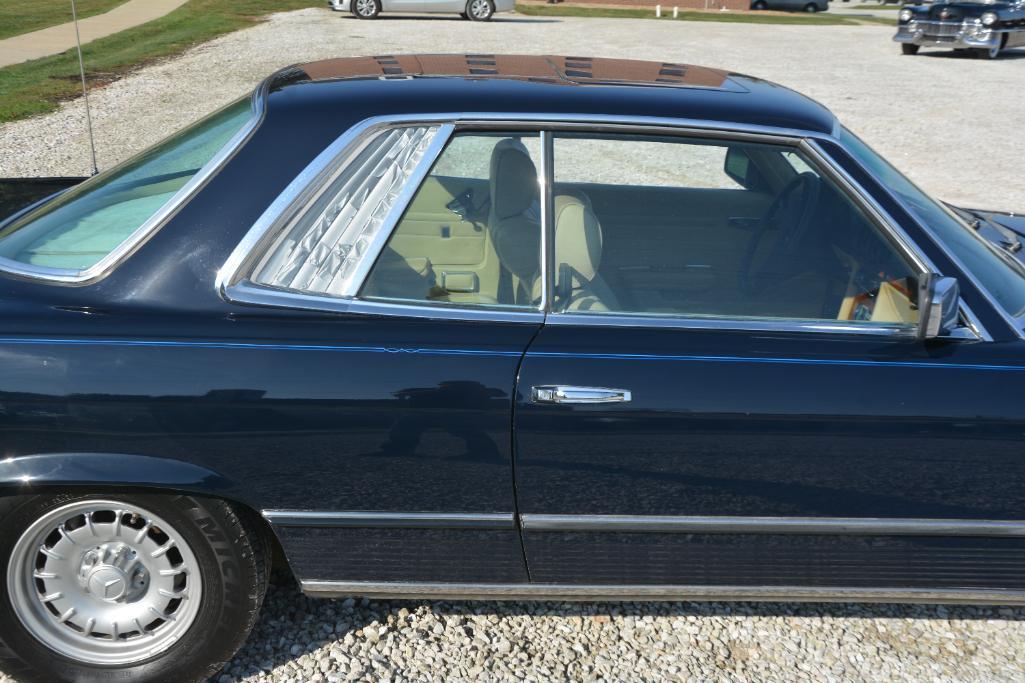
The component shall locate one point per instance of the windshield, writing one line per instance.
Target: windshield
(1001, 274)
(77, 230)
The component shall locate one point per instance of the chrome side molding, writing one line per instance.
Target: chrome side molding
(660, 524)
(832, 526)
(406, 520)
(552, 591)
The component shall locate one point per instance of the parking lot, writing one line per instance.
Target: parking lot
(952, 123)
(948, 121)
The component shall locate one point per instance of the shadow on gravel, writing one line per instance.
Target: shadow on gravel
(294, 631)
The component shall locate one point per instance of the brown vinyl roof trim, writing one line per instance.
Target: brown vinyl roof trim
(569, 70)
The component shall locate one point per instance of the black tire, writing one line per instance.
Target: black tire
(992, 53)
(909, 49)
(811, 8)
(232, 557)
(464, 15)
(480, 10)
(366, 9)
(759, 5)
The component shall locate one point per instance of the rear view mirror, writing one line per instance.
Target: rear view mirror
(938, 299)
(739, 167)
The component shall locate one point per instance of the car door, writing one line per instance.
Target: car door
(403, 5)
(443, 6)
(775, 423)
(400, 329)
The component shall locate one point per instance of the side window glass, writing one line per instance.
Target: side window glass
(472, 234)
(668, 226)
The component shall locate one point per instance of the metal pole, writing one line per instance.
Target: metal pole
(85, 90)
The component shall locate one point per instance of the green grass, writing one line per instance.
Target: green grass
(23, 16)
(36, 87)
(690, 15)
(875, 7)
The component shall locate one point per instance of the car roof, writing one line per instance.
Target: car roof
(546, 84)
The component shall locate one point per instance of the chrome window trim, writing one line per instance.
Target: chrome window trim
(405, 520)
(103, 267)
(970, 317)
(592, 592)
(232, 286)
(246, 293)
(726, 324)
(863, 200)
(547, 211)
(833, 526)
(308, 184)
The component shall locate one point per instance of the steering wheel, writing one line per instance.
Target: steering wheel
(791, 213)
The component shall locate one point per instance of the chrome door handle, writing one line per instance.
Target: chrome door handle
(557, 393)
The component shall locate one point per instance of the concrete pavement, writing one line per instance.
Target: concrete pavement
(57, 39)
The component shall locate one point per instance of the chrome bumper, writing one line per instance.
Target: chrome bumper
(338, 5)
(947, 34)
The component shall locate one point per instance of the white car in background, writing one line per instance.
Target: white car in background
(475, 10)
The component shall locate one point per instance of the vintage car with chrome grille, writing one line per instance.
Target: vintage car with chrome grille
(447, 326)
(986, 27)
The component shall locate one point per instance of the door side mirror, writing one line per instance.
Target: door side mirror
(938, 299)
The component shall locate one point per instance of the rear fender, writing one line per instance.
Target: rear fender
(32, 473)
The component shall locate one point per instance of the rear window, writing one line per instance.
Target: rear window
(78, 230)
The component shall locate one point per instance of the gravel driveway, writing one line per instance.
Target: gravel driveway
(954, 124)
(949, 122)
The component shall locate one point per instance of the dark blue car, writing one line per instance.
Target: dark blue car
(493, 327)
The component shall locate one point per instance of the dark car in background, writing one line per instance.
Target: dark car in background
(479, 326)
(985, 28)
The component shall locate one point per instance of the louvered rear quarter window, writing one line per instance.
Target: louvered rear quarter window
(320, 250)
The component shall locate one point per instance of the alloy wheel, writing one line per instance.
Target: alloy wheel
(366, 8)
(480, 9)
(104, 582)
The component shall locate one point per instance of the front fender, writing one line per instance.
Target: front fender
(26, 474)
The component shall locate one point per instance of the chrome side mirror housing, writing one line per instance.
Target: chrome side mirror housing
(938, 299)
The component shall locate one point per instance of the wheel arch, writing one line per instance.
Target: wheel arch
(127, 472)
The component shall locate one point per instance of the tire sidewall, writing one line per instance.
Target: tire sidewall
(212, 637)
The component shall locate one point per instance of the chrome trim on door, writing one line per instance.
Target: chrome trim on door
(972, 320)
(552, 591)
(724, 323)
(395, 520)
(833, 526)
(559, 393)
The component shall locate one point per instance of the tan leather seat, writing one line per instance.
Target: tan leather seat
(514, 221)
(578, 250)
(515, 228)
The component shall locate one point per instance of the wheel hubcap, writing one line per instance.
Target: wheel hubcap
(104, 582)
(480, 9)
(366, 7)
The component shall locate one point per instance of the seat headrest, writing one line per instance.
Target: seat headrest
(578, 238)
(513, 179)
(514, 221)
